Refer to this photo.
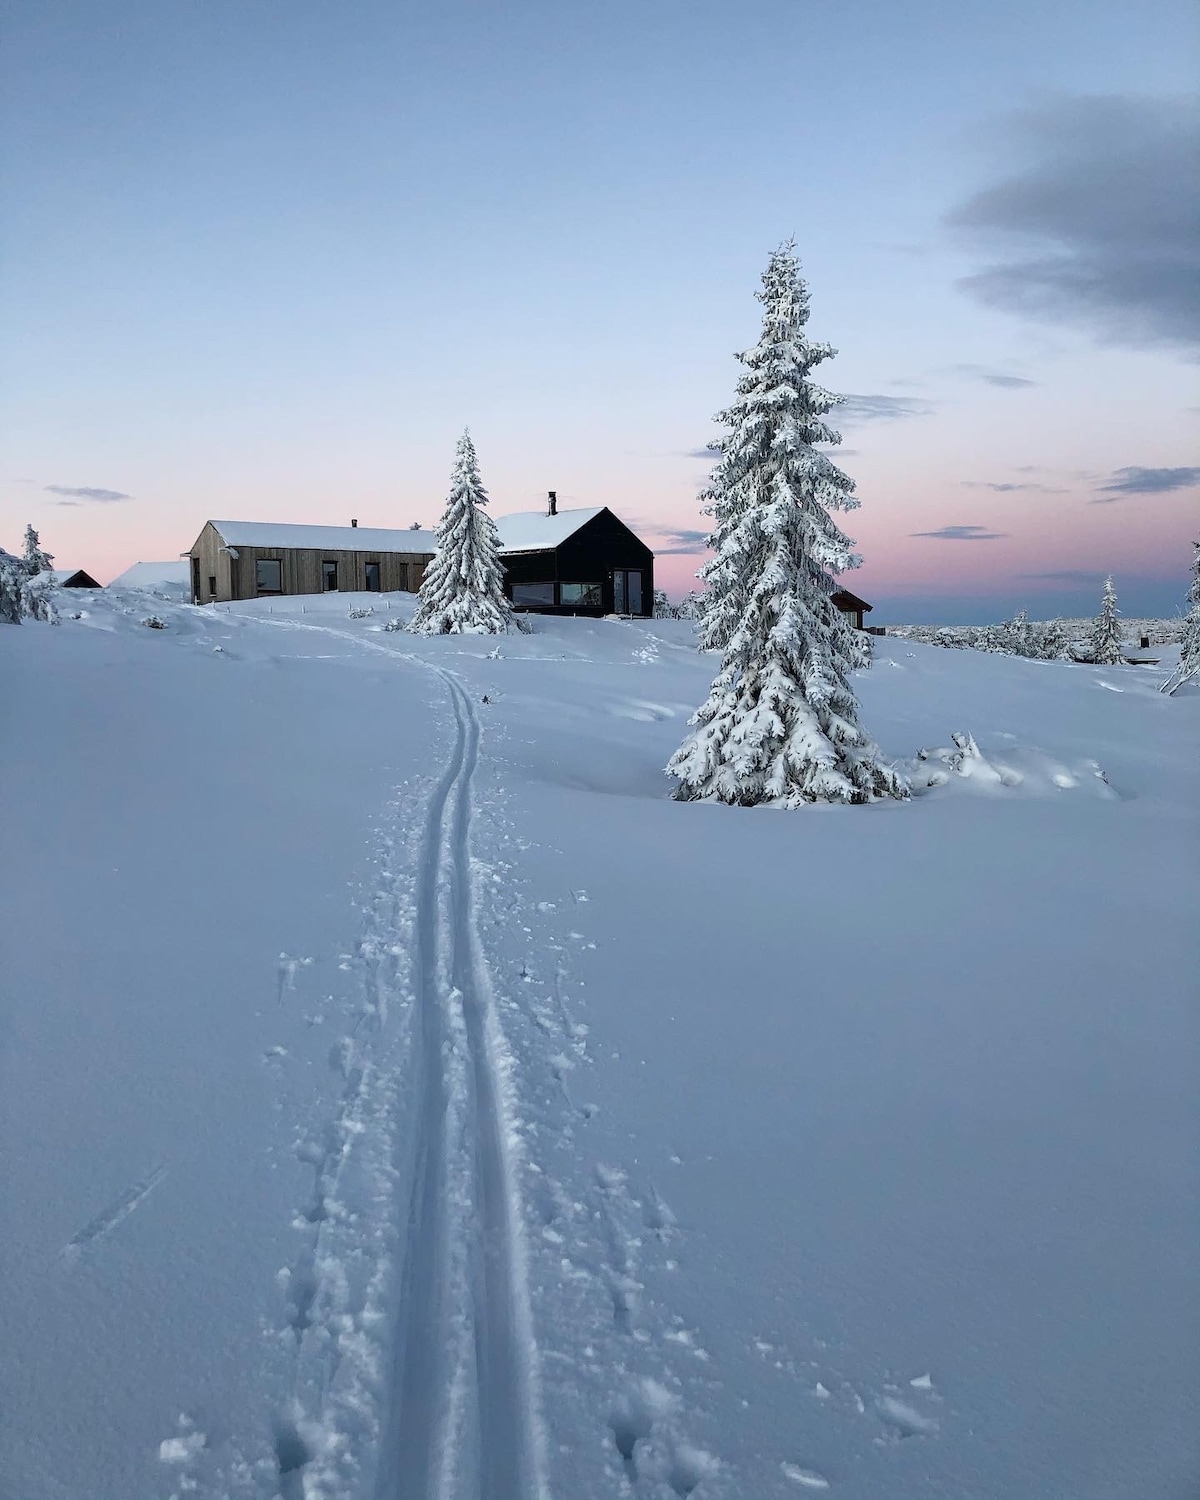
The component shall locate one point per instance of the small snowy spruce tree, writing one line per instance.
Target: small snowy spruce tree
(781, 722)
(36, 561)
(463, 588)
(1106, 631)
(1189, 644)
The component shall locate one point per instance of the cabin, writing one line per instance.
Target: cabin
(76, 578)
(850, 604)
(572, 562)
(575, 562)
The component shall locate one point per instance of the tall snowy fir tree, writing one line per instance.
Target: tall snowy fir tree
(1105, 645)
(463, 588)
(36, 561)
(781, 724)
(1189, 651)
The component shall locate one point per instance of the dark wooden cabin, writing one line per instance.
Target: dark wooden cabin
(575, 562)
(850, 604)
(79, 579)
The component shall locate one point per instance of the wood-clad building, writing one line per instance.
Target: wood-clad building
(258, 560)
(576, 562)
(850, 604)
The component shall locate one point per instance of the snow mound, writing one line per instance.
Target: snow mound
(1020, 768)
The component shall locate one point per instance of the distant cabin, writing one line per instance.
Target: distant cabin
(80, 578)
(850, 604)
(571, 562)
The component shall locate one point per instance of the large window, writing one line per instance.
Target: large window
(268, 576)
(329, 577)
(627, 591)
(581, 595)
(372, 570)
(533, 593)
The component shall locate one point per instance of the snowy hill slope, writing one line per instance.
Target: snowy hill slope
(401, 1095)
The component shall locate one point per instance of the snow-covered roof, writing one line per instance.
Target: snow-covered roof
(153, 575)
(535, 530)
(527, 531)
(323, 538)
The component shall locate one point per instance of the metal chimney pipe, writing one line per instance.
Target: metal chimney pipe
(553, 511)
(354, 523)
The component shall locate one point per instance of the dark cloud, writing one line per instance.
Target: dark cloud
(75, 494)
(1099, 225)
(682, 542)
(961, 534)
(1008, 489)
(1138, 481)
(851, 409)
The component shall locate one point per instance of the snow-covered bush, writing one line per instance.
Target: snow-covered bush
(1105, 645)
(463, 587)
(23, 597)
(363, 612)
(663, 608)
(781, 722)
(154, 622)
(691, 606)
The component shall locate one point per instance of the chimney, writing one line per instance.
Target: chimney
(354, 523)
(553, 510)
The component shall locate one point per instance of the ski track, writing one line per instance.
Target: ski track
(464, 1218)
(461, 1415)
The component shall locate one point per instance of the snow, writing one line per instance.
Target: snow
(157, 577)
(331, 538)
(534, 530)
(526, 531)
(341, 1005)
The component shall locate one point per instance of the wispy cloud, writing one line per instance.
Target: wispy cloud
(995, 377)
(961, 534)
(1008, 489)
(1099, 224)
(681, 541)
(1135, 480)
(85, 493)
(710, 455)
(852, 409)
(1067, 575)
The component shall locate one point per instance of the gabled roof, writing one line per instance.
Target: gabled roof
(538, 531)
(527, 531)
(153, 575)
(844, 599)
(64, 576)
(323, 538)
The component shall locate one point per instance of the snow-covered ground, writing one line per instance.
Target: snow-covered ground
(401, 1096)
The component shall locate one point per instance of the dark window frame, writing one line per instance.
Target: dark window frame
(212, 585)
(582, 603)
(541, 584)
(262, 590)
(326, 564)
(621, 591)
(377, 586)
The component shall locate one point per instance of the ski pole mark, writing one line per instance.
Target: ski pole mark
(107, 1220)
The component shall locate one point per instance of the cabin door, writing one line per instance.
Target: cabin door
(627, 591)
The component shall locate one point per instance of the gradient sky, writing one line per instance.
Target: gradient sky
(265, 259)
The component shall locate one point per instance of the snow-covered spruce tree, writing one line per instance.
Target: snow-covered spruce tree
(463, 588)
(1105, 647)
(36, 561)
(781, 721)
(14, 589)
(1189, 641)
(1051, 642)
